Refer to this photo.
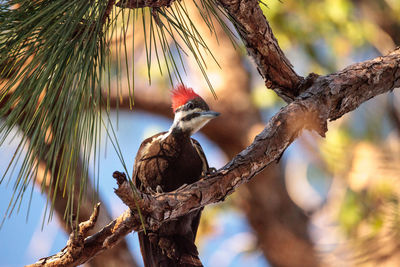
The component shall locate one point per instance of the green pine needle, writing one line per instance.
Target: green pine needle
(53, 55)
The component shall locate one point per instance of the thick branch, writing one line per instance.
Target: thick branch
(328, 98)
(344, 91)
(262, 45)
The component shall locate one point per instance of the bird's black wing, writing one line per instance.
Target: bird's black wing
(200, 151)
(141, 155)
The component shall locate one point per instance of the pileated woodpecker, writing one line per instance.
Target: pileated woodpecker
(165, 162)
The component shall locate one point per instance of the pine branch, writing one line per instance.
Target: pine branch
(82, 30)
(119, 254)
(261, 44)
(144, 3)
(52, 71)
(328, 98)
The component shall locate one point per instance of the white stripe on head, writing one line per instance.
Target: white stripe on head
(192, 125)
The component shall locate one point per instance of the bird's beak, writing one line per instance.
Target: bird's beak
(209, 114)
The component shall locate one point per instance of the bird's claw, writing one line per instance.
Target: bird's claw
(210, 170)
(159, 189)
(151, 191)
(182, 186)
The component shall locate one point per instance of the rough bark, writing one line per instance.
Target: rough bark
(277, 222)
(328, 98)
(231, 134)
(263, 47)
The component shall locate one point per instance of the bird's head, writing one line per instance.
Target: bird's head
(191, 111)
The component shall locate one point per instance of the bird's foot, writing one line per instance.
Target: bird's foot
(159, 189)
(210, 170)
(182, 186)
(151, 191)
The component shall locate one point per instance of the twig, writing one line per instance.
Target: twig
(75, 244)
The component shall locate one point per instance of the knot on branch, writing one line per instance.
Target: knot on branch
(315, 118)
(127, 192)
(120, 177)
(307, 82)
(140, 204)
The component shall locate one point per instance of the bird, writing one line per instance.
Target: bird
(165, 162)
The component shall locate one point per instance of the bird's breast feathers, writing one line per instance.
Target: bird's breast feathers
(167, 162)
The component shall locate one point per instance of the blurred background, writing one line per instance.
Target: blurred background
(330, 201)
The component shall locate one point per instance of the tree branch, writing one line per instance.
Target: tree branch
(277, 224)
(328, 98)
(75, 243)
(262, 45)
(345, 90)
(144, 3)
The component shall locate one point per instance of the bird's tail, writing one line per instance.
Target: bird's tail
(170, 251)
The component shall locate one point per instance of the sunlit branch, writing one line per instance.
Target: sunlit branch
(327, 98)
(261, 44)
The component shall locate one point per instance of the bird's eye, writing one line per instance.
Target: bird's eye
(190, 105)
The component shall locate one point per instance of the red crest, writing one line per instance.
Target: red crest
(181, 94)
